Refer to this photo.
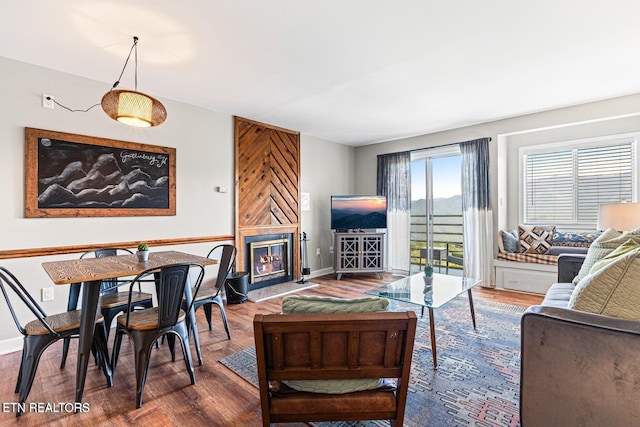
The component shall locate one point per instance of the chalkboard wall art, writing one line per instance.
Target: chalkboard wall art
(68, 175)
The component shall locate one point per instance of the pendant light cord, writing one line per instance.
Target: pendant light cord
(134, 46)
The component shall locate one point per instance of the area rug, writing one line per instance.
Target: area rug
(477, 380)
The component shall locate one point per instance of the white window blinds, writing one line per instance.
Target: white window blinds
(566, 185)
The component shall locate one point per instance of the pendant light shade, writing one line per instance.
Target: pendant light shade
(130, 106)
(133, 108)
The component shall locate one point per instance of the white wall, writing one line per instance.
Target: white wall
(205, 160)
(608, 117)
(321, 179)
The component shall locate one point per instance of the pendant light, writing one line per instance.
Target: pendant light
(130, 106)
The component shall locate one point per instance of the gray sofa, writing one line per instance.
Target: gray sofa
(577, 368)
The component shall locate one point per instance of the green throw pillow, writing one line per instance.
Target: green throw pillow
(621, 250)
(305, 304)
(302, 304)
(611, 291)
(603, 246)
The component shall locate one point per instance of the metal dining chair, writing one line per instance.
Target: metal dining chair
(211, 291)
(146, 326)
(112, 301)
(40, 333)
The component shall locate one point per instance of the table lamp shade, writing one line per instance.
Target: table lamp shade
(620, 216)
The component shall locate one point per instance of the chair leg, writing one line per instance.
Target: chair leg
(117, 340)
(142, 344)
(207, 313)
(183, 334)
(171, 341)
(219, 303)
(33, 347)
(65, 351)
(18, 382)
(102, 352)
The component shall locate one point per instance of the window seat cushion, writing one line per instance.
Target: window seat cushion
(533, 258)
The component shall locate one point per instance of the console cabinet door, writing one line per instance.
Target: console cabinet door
(358, 253)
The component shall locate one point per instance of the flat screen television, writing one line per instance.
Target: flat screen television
(358, 212)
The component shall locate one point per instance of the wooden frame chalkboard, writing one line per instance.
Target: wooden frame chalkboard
(69, 175)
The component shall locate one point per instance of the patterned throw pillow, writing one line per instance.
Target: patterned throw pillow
(608, 241)
(612, 290)
(574, 238)
(620, 251)
(535, 239)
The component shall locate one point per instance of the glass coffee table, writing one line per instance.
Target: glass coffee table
(416, 289)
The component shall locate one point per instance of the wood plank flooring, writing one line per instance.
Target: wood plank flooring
(219, 397)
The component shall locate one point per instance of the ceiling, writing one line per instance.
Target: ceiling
(354, 72)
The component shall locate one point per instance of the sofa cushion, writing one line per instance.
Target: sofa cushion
(603, 246)
(558, 295)
(306, 304)
(535, 239)
(612, 290)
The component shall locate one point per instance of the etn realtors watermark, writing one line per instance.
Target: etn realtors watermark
(46, 407)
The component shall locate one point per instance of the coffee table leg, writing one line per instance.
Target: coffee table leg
(473, 312)
(432, 328)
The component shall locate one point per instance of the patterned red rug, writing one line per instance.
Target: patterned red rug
(477, 380)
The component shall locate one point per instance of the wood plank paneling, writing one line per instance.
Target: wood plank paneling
(267, 184)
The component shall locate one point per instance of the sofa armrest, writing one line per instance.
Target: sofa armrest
(569, 266)
(578, 367)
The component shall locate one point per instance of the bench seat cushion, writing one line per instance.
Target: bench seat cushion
(286, 402)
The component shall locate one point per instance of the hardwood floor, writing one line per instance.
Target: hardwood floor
(219, 397)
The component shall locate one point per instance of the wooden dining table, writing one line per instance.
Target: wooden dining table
(88, 273)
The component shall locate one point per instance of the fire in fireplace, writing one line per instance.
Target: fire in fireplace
(269, 259)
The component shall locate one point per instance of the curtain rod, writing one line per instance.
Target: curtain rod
(447, 145)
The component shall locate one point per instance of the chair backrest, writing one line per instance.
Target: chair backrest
(226, 255)
(333, 346)
(8, 280)
(170, 283)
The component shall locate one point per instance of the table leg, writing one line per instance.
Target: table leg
(432, 328)
(191, 321)
(90, 294)
(473, 312)
(72, 304)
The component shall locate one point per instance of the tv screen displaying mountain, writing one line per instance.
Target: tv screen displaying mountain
(358, 212)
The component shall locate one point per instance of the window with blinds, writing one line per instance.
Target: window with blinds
(565, 185)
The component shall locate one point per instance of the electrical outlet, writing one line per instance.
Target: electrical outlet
(47, 294)
(47, 101)
(330, 249)
(317, 251)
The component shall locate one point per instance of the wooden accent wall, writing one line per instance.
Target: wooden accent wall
(267, 184)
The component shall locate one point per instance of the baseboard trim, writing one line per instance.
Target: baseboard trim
(11, 345)
(322, 272)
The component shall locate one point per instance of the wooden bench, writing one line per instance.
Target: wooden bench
(333, 346)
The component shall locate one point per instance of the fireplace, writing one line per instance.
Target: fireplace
(269, 259)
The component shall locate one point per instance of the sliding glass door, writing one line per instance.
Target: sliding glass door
(436, 210)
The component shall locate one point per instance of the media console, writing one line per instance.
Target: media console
(358, 252)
